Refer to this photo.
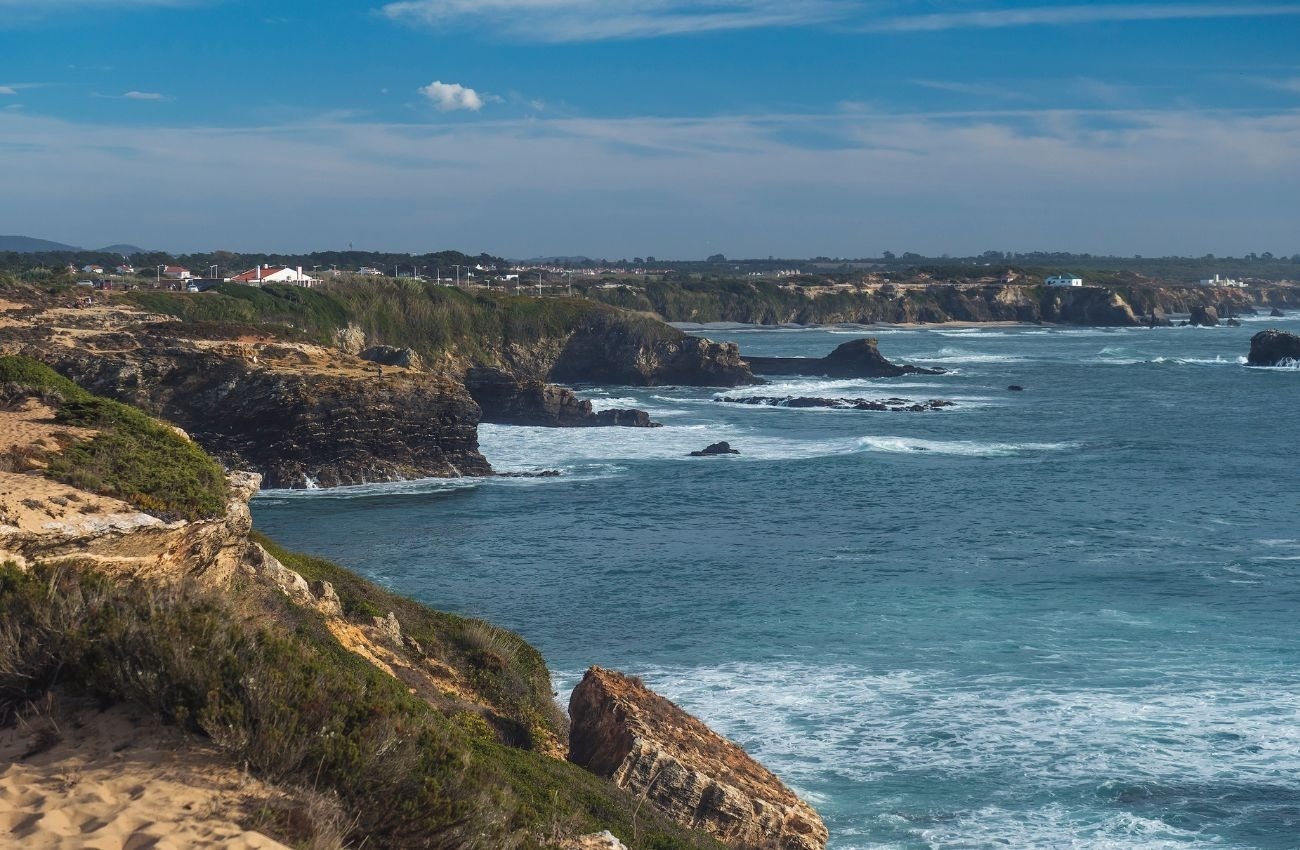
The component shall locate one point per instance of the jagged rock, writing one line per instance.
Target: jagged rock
(390, 628)
(858, 358)
(1274, 348)
(596, 841)
(1276, 313)
(350, 340)
(327, 599)
(507, 400)
(387, 355)
(1204, 316)
(723, 448)
(893, 404)
(643, 743)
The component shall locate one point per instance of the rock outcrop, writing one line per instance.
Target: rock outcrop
(647, 354)
(506, 400)
(387, 355)
(859, 358)
(1274, 348)
(713, 449)
(891, 404)
(1276, 313)
(1205, 316)
(643, 743)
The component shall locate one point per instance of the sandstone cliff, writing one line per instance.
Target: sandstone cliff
(659, 753)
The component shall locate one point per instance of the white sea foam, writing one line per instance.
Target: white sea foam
(958, 355)
(962, 448)
(417, 486)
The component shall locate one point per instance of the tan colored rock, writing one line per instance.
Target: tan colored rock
(596, 841)
(625, 732)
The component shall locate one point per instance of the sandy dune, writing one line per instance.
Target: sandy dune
(116, 782)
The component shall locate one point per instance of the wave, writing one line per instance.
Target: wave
(958, 355)
(412, 487)
(960, 448)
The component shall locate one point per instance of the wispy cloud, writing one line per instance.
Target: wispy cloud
(982, 90)
(750, 184)
(448, 97)
(1291, 84)
(8, 90)
(595, 20)
(135, 95)
(1076, 14)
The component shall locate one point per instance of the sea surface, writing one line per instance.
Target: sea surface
(1062, 617)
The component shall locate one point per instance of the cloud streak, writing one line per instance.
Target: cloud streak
(1076, 15)
(596, 20)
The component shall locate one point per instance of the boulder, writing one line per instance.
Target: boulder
(387, 355)
(723, 448)
(1274, 348)
(1276, 313)
(648, 746)
(1204, 316)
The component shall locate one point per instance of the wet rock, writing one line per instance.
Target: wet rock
(1016, 388)
(892, 404)
(507, 400)
(858, 358)
(1274, 348)
(723, 448)
(1204, 316)
(1276, 313)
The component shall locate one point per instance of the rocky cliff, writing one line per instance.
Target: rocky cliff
(507, 400)
(647, 353)
(298, 414)
(643, 743)
(859, 358)
(1274, 348)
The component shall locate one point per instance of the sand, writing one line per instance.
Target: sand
(117, 782)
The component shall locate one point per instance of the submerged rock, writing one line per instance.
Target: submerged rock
(858, 358)
(1274, 348)
(1016, 388)
(645, 744)
(723, 448)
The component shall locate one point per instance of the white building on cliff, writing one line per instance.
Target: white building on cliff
(1064, 280)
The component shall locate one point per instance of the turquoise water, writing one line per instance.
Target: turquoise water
(1059, 618)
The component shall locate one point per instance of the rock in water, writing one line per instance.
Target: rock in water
(1016, 388)
(723, 448)
(1276, 313)
(1274, 348)
(625, 732)
(858, 358)
(1206, 317)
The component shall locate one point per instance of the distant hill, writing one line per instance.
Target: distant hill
(28, 245)
(124, 250)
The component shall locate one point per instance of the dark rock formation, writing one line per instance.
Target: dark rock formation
(1016, 388)
(1274, 348)
(648, 353)
(507, 400)
(643, 743)
(387, 355)
(723, 448)
(1276, 313)
(1204, 316)
(894, 404)
(858, 358)
(297, 424)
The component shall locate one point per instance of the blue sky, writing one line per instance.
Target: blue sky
(673, 128)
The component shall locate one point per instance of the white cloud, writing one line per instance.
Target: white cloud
(8, 90)
(1077, 14)
(143, 95)
(594, 20)
(449, 97)
(1289, 85)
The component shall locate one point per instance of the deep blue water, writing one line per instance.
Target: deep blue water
(1059, 618)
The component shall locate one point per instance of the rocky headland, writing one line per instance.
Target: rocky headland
(1274, 348)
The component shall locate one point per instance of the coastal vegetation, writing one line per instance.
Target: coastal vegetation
(130, 457)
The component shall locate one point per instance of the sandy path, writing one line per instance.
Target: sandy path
(115, 782)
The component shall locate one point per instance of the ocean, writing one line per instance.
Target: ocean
(1062, 617)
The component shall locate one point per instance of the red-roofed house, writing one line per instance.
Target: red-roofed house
(275, 274)
(176, 273)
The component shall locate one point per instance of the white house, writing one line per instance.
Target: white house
(1222, 281)
(93, 269)
(1064, 280)
(274, 274)
(176, 273)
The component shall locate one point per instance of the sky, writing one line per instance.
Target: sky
(670, 128)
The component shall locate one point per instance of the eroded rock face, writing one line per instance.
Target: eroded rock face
(507, 400)
(1274, 348)
(858, 358)
(609, 352)
(1204, 316)
(643, 743)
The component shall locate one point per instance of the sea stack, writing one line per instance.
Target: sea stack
(625, 732)
(1274, 348)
